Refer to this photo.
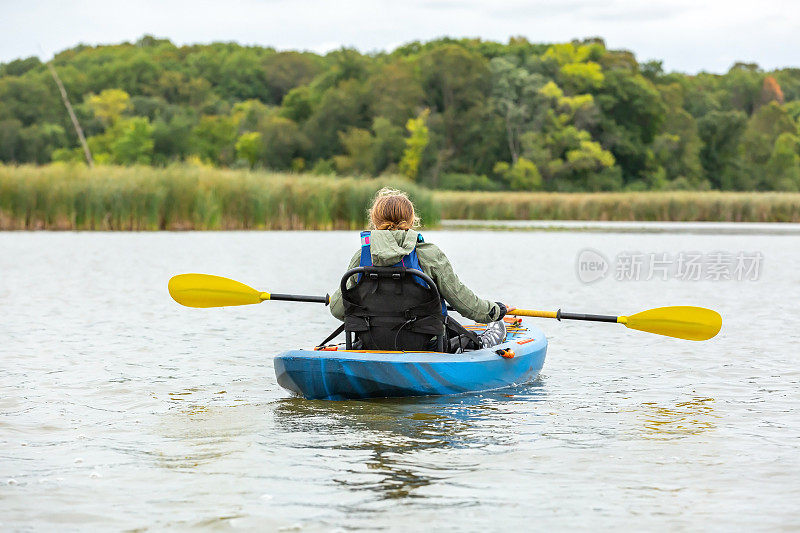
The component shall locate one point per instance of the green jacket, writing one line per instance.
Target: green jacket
(389, 246)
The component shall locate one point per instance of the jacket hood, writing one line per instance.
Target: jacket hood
(387, 247)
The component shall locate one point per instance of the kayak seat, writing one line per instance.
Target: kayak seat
(389, 309)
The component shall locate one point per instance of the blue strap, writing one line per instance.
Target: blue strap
(366, 254)
(409, 261)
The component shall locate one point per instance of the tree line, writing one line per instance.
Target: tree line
(451, 113)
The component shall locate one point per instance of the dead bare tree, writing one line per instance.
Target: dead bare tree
(72, 116)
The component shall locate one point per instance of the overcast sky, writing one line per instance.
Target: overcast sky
(687, 35)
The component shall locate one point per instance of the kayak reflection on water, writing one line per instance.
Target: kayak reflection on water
(392, 433)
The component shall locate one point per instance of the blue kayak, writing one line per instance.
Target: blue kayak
(345, 374)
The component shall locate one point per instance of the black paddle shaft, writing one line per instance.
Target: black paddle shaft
(575, 316)
(300, 298)
(582, 316)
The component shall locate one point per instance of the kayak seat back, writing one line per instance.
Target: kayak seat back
(389, 309)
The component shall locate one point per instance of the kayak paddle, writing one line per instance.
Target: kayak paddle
(205, 290)
(680, 321)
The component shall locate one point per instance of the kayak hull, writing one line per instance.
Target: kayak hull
(352, 374)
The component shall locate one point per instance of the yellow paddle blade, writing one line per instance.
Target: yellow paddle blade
(205, 290)
(681, 321)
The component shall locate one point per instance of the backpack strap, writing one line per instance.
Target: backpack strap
(330, 337)
(366, 251)
(461, 337)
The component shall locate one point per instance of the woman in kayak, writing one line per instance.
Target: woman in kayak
(392, 238)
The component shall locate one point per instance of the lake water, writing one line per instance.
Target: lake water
(121, 410)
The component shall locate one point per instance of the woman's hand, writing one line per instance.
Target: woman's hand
(504, 310)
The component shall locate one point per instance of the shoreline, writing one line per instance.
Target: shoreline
(599, 226)
(567, 226)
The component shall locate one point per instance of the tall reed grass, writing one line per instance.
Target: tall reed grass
(72, 197)
(684, 206)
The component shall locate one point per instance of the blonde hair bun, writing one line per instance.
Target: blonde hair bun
(392, 210)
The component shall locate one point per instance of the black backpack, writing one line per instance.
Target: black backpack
(389, 309)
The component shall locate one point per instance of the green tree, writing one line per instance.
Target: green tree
(388, 145)
(197, 92)
(514, 97)
(397, 92)
(721, 133)
(298, 104)
(571, 53)
(10, 140)
(249, 147)
(19, 67)
(742, 87)
(568, 158)
(214, 139)
(242, 75)
(109, 105)
(632, 115)
(370, 152)
(677, 147)
(582, 77)
(285, 71)
(358, 145)
(133, 143)
(250, 113)
(283, 142)
(29, 99)
(343, 106)
(133, 73)
(345, 64)
(38, 141)
(172, 136)
(789, 81)
(522, 175)
(457, 83)
(758, 143)
(783, 166)
(416, 142)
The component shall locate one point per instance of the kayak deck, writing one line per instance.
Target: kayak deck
(345, 374)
